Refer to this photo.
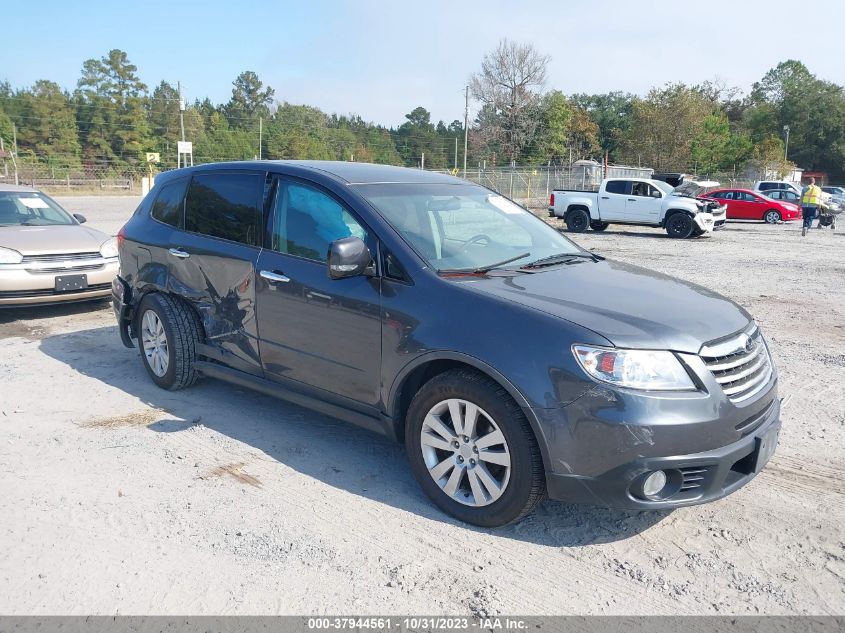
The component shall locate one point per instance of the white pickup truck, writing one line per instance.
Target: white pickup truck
(640, 201)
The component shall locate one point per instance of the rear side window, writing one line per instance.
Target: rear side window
(224, 206)
(169, 204)
(618, 186)
(765, 186)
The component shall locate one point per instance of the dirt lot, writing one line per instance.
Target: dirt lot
(117, 497)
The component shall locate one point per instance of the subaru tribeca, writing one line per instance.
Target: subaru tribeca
(512, 363)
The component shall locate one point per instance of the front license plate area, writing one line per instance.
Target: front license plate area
(766, 445)
(71, 283)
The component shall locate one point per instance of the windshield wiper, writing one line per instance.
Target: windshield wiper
(488, 268)
(559, 258)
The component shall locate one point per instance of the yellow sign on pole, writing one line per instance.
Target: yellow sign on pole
(153, 157)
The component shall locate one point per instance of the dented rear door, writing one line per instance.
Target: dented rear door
(212, 262)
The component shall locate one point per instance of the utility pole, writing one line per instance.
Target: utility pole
(456, 153)
(181, 109)
(422, 161)
(260, 134)
(786, 146)
(15, 152)
(466, 128)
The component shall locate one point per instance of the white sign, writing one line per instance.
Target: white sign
(185, 147)
(34, 203)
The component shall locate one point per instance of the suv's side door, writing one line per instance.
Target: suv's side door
(613, 200)
(317, 335)
(211, 261)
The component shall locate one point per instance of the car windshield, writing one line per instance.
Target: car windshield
(465, 227)
(665, 187)
(29, 208)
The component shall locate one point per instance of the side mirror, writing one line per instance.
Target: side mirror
(80, 218)
(656, 194)
(348, 257)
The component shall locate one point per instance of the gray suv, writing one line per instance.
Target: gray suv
(510, 362)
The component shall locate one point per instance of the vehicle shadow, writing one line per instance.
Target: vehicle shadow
(326, 449)
(33, 313)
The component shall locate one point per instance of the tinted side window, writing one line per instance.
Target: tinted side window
(224, 206)
(306, 221)
(765, 186)
(618, 186)
(170, 203)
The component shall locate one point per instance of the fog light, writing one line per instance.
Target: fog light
(654, 483)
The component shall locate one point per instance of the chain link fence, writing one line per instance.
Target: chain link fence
(65, 178)
(527, 185)
(531, 185)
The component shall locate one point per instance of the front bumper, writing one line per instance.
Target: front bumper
(28, 283)
(705, 222)
(697, 477)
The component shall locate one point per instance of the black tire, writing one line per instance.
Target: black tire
(577, 220)
(526, 486)
(599, 226)
(772, 216)
(679, 226)
(183, 330)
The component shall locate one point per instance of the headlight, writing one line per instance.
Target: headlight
(634, 368)
(8, 256)
(109, 248)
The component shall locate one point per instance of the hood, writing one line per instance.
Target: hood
(628, 305)
(52, 240)
(692, 188)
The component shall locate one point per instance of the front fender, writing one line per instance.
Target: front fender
(393, 402)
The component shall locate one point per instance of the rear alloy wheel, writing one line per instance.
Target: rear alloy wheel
(771, 217)
(680, 226)
(599, 226)
(472, 449)
(168, 332)
(577, 221)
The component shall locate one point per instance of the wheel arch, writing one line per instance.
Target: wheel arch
(149, 290)
(419, 371)
(674, 211)
(578, 207)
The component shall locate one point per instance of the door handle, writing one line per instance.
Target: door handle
(274, 277)
(605, 197)
(632, 199)
(178, 252)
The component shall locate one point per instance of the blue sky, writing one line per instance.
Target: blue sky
(381, 59)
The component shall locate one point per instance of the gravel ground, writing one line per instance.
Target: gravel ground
(118, 497)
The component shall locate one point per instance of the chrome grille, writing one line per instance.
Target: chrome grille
(59, 257)
(740, 365)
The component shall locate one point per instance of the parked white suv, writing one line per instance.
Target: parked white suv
(763, 186)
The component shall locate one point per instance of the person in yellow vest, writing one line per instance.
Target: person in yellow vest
(811, 201)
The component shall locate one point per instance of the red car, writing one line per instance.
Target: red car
(744, 204)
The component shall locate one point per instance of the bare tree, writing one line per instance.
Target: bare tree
(509, 85)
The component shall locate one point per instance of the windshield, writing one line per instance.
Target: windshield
(665, 187)
(465, 227)
(29, 208)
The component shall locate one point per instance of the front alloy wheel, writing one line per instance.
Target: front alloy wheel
(466, 453)
(771, 217)
(472, 449)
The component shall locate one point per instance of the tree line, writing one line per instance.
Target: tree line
(111, 118)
